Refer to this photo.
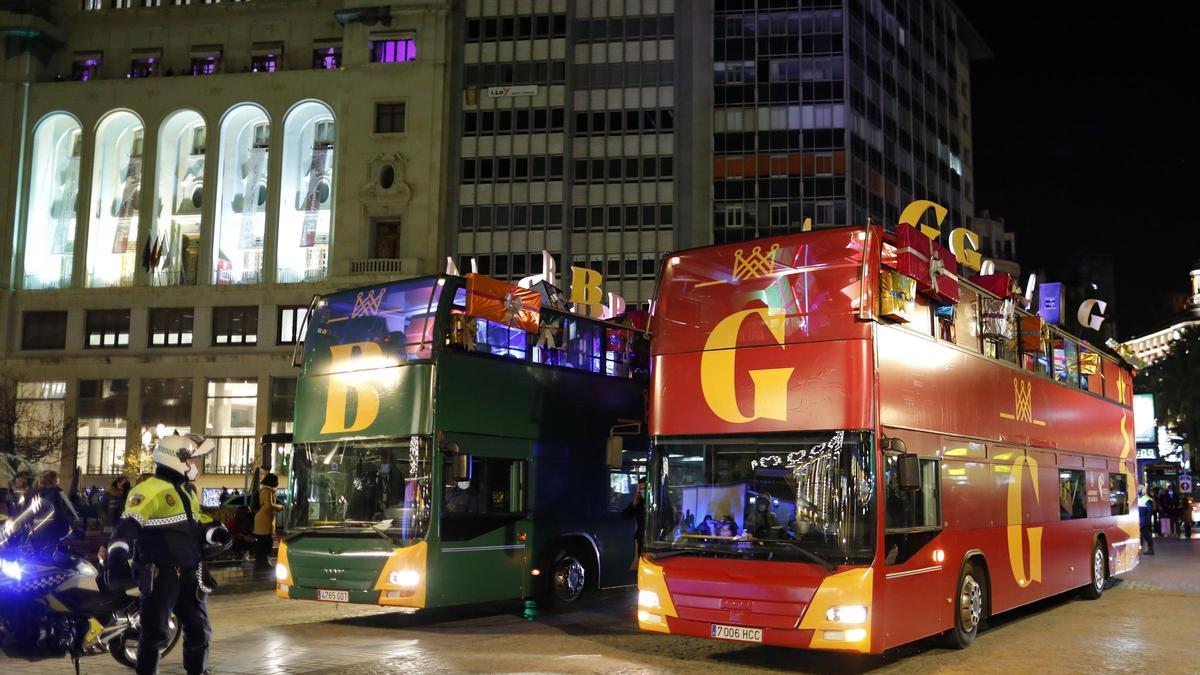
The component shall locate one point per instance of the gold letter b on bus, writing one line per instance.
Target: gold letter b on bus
(1016, 545)
(345, 377)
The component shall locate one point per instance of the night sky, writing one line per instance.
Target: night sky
(1085, 129)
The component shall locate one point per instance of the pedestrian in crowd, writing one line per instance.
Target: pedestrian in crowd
(1146, 520)
(20, 491)
(1166, 511)
(116, 500)
(224, 496)
(264, 521)
(241, 530)
(637, 512)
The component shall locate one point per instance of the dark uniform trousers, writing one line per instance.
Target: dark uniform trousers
(172, 589)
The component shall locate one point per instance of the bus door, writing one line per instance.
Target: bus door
(914, 576)
(485, 527)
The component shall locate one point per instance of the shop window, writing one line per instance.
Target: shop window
(106, 329)
(230, 418)
(242, 195)
(306, 200)
(53, 202)
(235, 326)
(100, 432)
(389, 118)
(1071, 495)
(171, 327)
(116, 196)
(166, 407)
(293, 324)
(1118, 494)
(44, 330)
(393, 50)
(173, 254)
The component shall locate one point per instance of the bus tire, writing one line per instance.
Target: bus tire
(970, 600)
(567, 581)
(1099, 568)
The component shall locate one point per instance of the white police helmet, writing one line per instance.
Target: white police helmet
(174, 452)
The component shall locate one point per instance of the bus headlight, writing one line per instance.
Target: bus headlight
(648, 599)
(281, 571)
(847, 614)
(404, 578)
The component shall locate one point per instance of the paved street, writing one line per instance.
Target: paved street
(1145, 621)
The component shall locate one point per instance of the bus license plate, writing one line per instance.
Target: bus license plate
(739, 633)
(334, 596)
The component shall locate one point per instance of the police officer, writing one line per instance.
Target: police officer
(163, 533)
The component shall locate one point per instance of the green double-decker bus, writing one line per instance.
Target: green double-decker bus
(441, 459)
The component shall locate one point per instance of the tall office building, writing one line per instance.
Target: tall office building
(612, 131)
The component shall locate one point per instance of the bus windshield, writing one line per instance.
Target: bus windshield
(807, 498)
(358, 483)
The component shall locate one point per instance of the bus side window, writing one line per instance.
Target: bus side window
(1071, 502)
(912, 517)
(966, 321)
(621, 486)
(1118, 494)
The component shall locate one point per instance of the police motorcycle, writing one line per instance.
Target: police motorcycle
(54, 603)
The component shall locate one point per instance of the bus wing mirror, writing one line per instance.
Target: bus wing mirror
(616, 445)
(894, 446)
(908, 466)
(462, 467)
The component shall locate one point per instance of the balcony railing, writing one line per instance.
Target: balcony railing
(234, 455)
(383, 266)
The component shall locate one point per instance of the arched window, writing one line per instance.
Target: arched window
(174, 246)
(242, 195)
(306, 199)
(116, 192)
(53, 196)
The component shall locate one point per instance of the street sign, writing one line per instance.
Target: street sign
(513, 90)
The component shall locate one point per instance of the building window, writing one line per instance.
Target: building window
(100, 432)
(327, 57)
(106, 328)
(235, 326)
(242, 195)
(173, 256)
(39, 421)
(1071, 495)
(283, 404)
(171, 327)
(393, 50)
(53, 196)
(231, 411)
(206, 61)
(112, 245)
(44, 330)
(166, 407)
(93, 5)
(307, 188)
(146, 66)
(293, 324)
(86, 66)
(387, 238)
(266, 57)
(389, 118)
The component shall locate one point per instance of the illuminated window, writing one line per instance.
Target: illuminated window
(241, 196)
(171, 327)
(306, 201)
(206, 60)
(43, 330)
(106, 328)
(266, 57)
(173, 255)
(235, 326)
(393, 50)
(53, 202)
(116, 195)
(231, 412)
(86, 66)
(327, 57)
(293, 324)
(100, 430)
(145, 63)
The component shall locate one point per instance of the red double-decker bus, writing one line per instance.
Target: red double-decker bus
(824, 477)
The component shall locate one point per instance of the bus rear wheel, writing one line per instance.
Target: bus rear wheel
(970, 599)
(1099, 565)
(567, 582)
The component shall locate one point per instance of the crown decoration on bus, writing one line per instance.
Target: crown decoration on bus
(755, 265)
(369, 304)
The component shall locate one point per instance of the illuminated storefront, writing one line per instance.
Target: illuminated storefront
(116, 194)
(53, 196)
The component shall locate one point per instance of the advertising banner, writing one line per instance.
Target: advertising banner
(1144, 423)
(1050, 302)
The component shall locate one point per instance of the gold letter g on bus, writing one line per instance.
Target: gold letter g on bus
(1016, 545)
(717, 374)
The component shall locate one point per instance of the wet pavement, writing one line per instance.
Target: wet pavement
(1148, 620)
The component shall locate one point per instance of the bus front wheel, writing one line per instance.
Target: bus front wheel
(970, 600)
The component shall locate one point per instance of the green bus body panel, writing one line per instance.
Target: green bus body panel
(339, 563)
(404, 403)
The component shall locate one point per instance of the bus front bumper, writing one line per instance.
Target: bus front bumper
(401, 582)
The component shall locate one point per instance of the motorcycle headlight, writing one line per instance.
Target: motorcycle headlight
(11, 569)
